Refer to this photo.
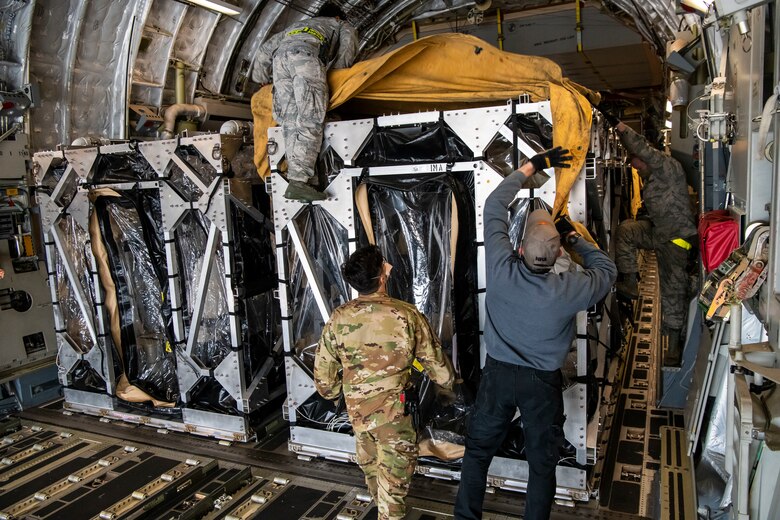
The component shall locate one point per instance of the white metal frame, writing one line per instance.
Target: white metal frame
(214, 204)
(477, 128)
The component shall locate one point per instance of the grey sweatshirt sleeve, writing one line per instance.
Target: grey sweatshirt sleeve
(599, 275)
(498, 246)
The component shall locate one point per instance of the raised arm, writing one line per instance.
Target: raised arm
(638, 146)
(498, 246)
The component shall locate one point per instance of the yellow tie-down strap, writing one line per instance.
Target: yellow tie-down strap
(682, 243)
(308, 30)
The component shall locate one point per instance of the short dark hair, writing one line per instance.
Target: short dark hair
(363, 268)
(332, 10)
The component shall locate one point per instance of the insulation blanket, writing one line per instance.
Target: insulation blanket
(447, 72)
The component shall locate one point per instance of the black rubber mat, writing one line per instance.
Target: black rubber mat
(36, 466)
(125, 466)
(58, 472)
(321, 510)
(49, 509)
(630, 452)
(333, 497)
(654, 448)
(640, 373)
(642, 358)
(625, 497)
(73, 495)
(656, 423)
(23, 444)
(293, 503)
(634, 418)
(336, 511)
(112, 491)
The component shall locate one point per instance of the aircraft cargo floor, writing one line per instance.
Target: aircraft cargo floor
(61, 465)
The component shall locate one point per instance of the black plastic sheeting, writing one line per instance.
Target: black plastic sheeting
(52, 176)
(254, 274)
(533, 129)
(130, 226)
(434, 142)
(323, 414)
(212, 343)
(75, 241)
(325, 240)
(128, 167)
(412, 222)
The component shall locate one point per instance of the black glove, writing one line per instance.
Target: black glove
(611, 119)
(564, 226)
(555, 158)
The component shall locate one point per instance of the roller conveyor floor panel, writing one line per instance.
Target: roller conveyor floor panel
(633, 462)
(94, 469)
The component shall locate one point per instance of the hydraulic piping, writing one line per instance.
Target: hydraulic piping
(173, 112)
(180, 108)
(179, 65)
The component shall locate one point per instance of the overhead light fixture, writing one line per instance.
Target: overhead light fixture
(219, 6)
(702, 6)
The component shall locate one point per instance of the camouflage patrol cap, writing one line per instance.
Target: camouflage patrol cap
(541, 242)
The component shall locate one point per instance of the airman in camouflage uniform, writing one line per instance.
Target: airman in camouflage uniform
(297, 60)
(366, 352)
(671, 232)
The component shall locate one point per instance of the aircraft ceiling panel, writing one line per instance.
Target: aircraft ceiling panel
(620, 68)
(87, 55)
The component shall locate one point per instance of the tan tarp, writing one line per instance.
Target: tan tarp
(446, 72)
(124, 390)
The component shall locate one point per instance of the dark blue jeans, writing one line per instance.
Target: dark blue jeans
(504, 388)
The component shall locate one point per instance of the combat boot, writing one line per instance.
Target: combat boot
(627, 287)
(301, 191)
(673, 355)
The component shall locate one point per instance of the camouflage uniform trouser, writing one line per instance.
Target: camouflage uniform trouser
(299, 106)
(388, 455)
(672, 259)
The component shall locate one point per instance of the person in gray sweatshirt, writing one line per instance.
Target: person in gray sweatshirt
(529, 329)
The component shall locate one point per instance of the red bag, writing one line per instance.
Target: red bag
(718, 236)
